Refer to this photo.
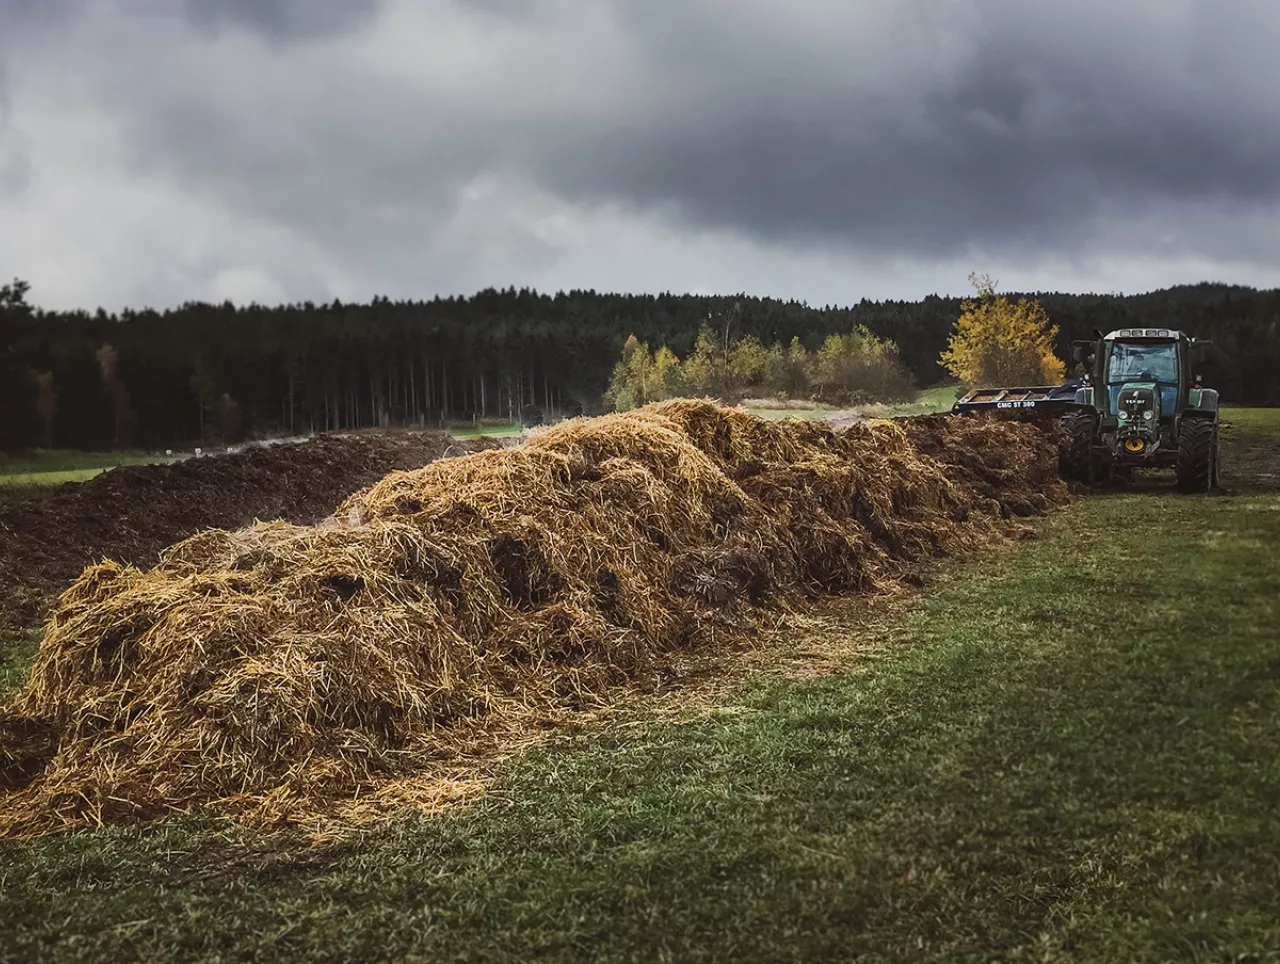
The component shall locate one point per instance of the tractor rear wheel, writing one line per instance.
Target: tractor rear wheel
(1077, 456)
(1197, 455)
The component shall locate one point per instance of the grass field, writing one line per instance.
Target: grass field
(925, 403)
(61, 465)
(466, 430)
(1261, 422)
(56, 466)
(1065, 750)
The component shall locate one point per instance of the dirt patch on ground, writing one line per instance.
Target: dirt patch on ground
(1249, 459)
(129, 514)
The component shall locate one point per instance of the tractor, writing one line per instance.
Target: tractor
(1139, 405)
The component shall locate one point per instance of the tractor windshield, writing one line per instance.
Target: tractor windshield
(1135, 362)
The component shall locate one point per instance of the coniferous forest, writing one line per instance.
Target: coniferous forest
(204, 373)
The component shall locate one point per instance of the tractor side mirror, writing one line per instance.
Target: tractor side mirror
(1202, 350)
(1081, 351)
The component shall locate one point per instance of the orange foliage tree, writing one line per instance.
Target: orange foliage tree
(998, 342)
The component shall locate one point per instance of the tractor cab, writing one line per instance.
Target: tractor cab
(1142, 381)
(1150, 365)
(1156, 360)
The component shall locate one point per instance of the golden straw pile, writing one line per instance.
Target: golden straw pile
(286, 673)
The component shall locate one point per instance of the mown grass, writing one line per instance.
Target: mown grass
(1069, 750)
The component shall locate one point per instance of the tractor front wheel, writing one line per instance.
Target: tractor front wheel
(1077, 460)
(1197, 455)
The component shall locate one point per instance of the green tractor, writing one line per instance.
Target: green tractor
(1139, 405)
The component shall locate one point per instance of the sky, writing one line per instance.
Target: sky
(154, 152)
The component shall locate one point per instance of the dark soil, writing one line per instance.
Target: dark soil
(131, 513)
(1250, 459)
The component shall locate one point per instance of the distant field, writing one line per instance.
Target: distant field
(927, 402)
(485, 431)
(63, 465)
(56, 466)
(1251, 421)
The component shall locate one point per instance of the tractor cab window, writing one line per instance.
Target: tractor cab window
(1152, 362)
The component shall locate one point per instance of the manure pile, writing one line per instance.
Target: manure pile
(288, 673)
(133, 512)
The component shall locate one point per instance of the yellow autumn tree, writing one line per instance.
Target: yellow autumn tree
(748, 363)
(703, 371)
(859, 367)
(998, 342)
(632, 381)
(667, 374)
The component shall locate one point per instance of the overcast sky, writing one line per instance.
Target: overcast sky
(158, 151)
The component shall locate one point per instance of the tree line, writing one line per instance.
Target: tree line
(853, 367)
(205, 373)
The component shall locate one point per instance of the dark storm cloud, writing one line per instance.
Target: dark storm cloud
(921, 128)
(1025, 137)
(282, 19)
(411, 139)
(14, 13)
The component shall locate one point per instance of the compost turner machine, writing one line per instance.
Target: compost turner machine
(1140, 405)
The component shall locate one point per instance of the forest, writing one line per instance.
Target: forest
(218, 373)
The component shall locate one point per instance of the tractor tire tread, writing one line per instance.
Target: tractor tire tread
(1077, 458)
(1197, 454)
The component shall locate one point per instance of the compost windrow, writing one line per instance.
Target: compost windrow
(285, 673)
(130, 514)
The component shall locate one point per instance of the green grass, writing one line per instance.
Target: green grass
(1066, 750)
(1264, 422)
(50, 478)
(809, 414)
(929, 401)
(925, 403)
(17, 650)
(55, 466)
(466, 430)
